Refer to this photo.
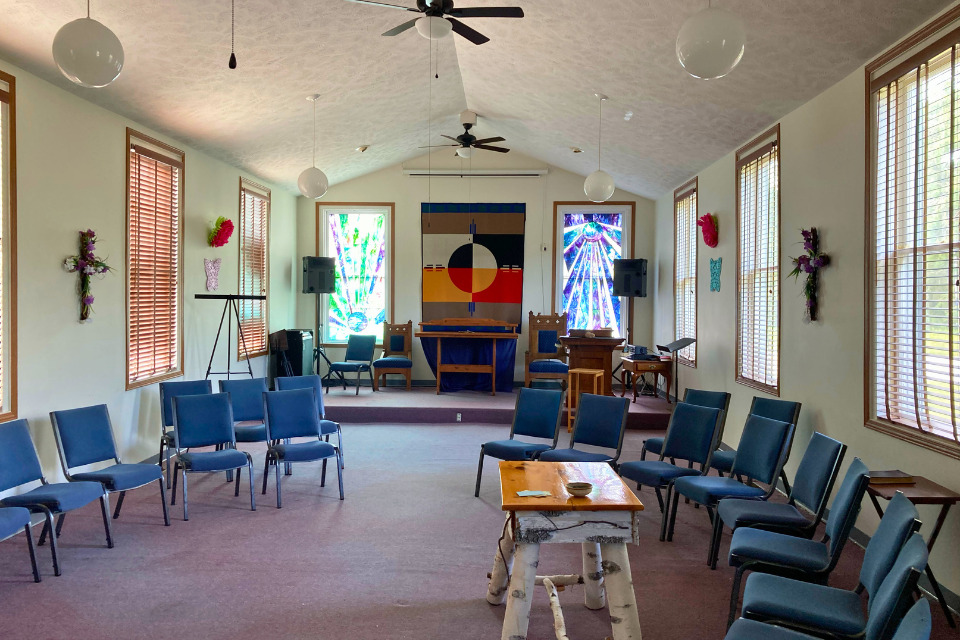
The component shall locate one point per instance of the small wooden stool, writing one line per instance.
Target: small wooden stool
(574, 390)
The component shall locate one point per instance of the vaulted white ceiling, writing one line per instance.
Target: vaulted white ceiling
(533, 83)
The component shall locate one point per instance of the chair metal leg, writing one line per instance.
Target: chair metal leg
(735, 595)
(173, 490)
(340, 444)
(323, 473)
(266, 473)
(48, 515)
(160, 460)
(673, 514)
(340, 475)
(287, 467)
(163, 503)
(659, 497)
(714, 547)
(358, 382)
(370, 373)
(33, 553)
(43, 534)
(105, 510)
(60, 520)
(253, 500)
(183, 470)
(116, 510)
(278, 484)
(476, 492)
(664, 519)
(236, 487)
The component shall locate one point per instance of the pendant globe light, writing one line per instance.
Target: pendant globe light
(87, 52)
(711, 43)
(313, 182)
(599, 185)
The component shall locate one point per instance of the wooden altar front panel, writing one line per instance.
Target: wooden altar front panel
(593, 353)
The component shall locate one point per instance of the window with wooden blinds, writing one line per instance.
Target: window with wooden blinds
(254, 222)
(913, 319)
(685, 269)
(758, 263)
(154, 208)
(8, 248)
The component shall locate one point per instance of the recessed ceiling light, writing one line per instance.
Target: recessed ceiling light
(576, 149)
(628, 115)
(362, 148)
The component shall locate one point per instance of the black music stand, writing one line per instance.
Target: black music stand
(230, 300)
(673, 347)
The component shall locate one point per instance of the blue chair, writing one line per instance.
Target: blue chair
(397, 354)
(359, 358)
(12, 520)
(774, 552)
(601, 421)
(293, 414)
(692, 436)
(327, 427)
(246, 401)
(85, 436)
(763, 450)
(536, 415)
(168, 391)
(714, 399)
(838, 613)
(813, 483)
(780, 410)
(544, 360)
(206, 421)
(20, 465)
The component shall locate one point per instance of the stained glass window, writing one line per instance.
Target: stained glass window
(591, 242)
(357, 239)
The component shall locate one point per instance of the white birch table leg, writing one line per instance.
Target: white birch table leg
(624, 618)
(517, 616)
(559, 627)
(502, 566)
(593, 591)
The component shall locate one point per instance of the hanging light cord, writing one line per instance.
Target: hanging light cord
(233, 57)
(599, 134)
(314, 132)
(88, 9)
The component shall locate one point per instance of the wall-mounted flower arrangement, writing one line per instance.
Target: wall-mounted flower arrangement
(810, 263)
(220, 234)
(86, 265)
(710, 228)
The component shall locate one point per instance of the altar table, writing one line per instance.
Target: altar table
(476, 354)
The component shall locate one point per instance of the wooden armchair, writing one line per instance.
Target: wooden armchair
(544, 360)
(397, 353)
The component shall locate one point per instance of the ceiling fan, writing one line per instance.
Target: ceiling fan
(466, 142)
(448, 14)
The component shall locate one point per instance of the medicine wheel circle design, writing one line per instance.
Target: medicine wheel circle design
(472, 267)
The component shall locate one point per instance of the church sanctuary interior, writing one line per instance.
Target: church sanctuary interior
(475, 319)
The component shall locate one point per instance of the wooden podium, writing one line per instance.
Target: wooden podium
(593, 353)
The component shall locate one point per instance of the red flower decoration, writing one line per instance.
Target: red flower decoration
(708, 226)
(221, 232)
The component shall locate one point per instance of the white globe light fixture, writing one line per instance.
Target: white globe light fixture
(599, 185)
(313, 182)
(433, 27)
(465, 152)
(711, 43)
(87, 52)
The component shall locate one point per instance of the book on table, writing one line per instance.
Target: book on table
(894, 476)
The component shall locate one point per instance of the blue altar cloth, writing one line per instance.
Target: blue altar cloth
(471, 351)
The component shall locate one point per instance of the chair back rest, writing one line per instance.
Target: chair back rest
(169, 390)
(360, 348)
(246, 398)
(763, 448)
(888, 604)
(917, 624)
(817, 472)
(398, 339)
(84, 436)
(291, 414)
(304, 382)
(544, 330)
(537, 413)
(692, 434)
(846, 507)
(782, 410)
(898, 522)
(714, 399)
(203, 421)
(19, 463)
(600, 421)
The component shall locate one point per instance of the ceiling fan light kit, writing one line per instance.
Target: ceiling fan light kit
(440, 18)
(433, 27)
(313, 182)
(87, 52)
(711, 43)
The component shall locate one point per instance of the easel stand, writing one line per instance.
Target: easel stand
(228, 302)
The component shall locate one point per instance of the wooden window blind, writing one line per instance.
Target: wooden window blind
(685, 269)
(758, 263)
(254, 223)
(155, 204)
(8, 257)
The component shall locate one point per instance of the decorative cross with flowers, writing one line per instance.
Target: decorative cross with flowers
(86, 264)
(810, 264)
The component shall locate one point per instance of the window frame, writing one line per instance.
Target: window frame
(8, 286)
(681, 193)
(263, 193)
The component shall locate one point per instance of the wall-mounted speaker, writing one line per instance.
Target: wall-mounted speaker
(630, 278)
(319, 275)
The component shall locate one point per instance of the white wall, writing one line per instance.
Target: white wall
(539, 194)
(71, 176)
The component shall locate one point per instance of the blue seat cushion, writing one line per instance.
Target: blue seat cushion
(121, 477)
(653, 445)
(394, 362)
(328, 427)
(722, 460)
(654, 473)
(222, 460)
(744, 629)
(250, 432)
(551, 365)
(513, 449)
(774, 597)
(737, 513)
(573, 455)
(58, 497)
(778, 548)
(710, 489)
(349, 366)
(305, 451)
(12, 520)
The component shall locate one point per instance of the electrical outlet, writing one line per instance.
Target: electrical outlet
(459, 417)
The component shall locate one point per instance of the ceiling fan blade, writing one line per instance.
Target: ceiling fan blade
(497, 149)
(449, 138)
(384, 4)
(486, 140)
(433, 146)
(469, 33)
(400, 28)
(487, 12)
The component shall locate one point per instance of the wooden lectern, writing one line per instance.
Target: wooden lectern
(593, 353)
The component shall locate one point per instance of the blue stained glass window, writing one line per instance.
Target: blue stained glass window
(591, 242)
(357, 239)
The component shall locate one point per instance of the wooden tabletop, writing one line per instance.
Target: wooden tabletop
(466, 334)
(923, 492)
(609, 493)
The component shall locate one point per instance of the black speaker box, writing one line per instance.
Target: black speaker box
(630, 278)
(319, 275)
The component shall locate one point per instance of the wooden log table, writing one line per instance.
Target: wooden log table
(602, 522)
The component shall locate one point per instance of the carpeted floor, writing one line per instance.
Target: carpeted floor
(404, 556)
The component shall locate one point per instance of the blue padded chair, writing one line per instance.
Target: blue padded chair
(781, 410)
(246, 401)
(84, 437)
(327, 427)
(20, 465)
(543, 360)
(536, 415)
(812, 486)
(774, 552)
(293, 414)
(397, 354)
(713, 399)
(206, 421)
(763, 450)
(359, 358)
(169, 390)
(601, 421)
(12, 521)
(692, 436)
(836, 612)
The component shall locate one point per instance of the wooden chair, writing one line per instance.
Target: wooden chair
(397, 353)
(544, 360)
